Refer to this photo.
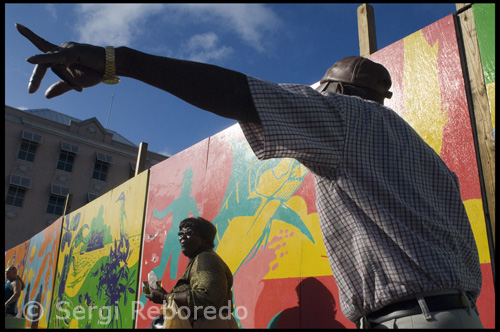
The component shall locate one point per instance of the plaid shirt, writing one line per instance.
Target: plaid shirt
(390, 210)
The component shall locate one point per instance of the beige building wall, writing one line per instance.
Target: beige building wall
(88, 139)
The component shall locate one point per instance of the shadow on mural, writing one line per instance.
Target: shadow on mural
(316, 309)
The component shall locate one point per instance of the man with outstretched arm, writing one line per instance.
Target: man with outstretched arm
(396, 232)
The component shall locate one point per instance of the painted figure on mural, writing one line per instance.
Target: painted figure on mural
(40, 268)
(116, 270)
(393, 222)
(70, 240)
(181, 208)
(96, 278)
(253, 193)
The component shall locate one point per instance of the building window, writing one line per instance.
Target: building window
(57, 199)
(15, 196)
(67, 156)
(100, 170)
(17, 190)
(66, 160)
(27, 150)
(56, 205)
(101, 166)
(29, 144)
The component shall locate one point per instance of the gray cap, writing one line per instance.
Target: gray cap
(360, 72)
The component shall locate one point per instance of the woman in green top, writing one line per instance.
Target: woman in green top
(204, 290)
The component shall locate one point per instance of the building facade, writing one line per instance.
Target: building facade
(49, 155)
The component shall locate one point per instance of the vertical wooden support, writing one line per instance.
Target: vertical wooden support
(481, 112)
(141, 158)
(67, 204)
(366, 30)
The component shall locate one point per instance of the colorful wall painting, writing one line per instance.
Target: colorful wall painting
(98, 263)
(176, 191)
(268, 231)
(41, 260)
(265, 226)
(423, 67)
(484, 19)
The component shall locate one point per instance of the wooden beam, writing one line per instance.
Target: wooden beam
(366, 30)
(67, 204)
(481, 113)
(140, 164)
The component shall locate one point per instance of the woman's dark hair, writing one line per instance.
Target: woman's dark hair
(201, 227)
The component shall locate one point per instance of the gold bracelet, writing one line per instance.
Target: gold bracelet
(109, 73)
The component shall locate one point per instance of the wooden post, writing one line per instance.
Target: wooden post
(67, 204)
(366, 30)
(141, 158)
(481, 113)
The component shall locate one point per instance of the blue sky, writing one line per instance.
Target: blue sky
(285, 43)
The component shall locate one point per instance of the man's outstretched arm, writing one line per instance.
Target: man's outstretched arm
(215, 89)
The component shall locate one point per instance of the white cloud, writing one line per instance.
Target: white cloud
(249, 21)
(51, 9)
(121, 24)
(204, 48)
(113, 24)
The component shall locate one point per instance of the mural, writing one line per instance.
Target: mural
(17, 257)
(264, 211)
(176, 191)
(41, 260)
(268, 230)
(484, 19)
(257, 205)
(96, 280)
(422, 66)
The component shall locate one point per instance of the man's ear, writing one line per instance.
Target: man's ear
(335, 87)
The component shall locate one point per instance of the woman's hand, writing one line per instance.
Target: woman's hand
(78, 65)
(158, 295)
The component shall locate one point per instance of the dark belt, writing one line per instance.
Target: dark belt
(411, 307)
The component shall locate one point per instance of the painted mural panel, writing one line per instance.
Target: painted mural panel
(269, 234)
(268, 231)
(484, 19)
(17, 257)
(265, 215)
(429, 93)
(268, 228)
(41, 260)
(98, 263)
(176, 191)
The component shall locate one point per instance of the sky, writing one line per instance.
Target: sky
(283, 43)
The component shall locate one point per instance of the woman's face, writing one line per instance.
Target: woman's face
(11, 274)
(190, 242)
